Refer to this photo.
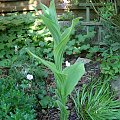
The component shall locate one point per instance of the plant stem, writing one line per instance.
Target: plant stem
(64, 114)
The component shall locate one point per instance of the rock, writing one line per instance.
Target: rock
(91, 67)
(83, 60)
(115, 86)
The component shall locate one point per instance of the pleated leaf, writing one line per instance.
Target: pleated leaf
(49, 17)
(60, 77)
(59, 49)
(53, 14)
(74, 73)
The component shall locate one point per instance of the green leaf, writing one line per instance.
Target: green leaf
(53, 14)
(1, 46)
(49, 64)
(59, 76)
(74, 73)
(85, 47)
(94, 49)
(52, 28)
(59, 49)
(45, 101)
(49, 17)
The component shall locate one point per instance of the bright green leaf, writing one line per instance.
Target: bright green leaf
(74, 73)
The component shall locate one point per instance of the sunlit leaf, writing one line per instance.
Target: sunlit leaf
(74, 73)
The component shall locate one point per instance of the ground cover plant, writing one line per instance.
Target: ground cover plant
(16, 32)
(110, 44)
(14, 103)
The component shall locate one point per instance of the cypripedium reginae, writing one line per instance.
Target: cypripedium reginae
(66, 79)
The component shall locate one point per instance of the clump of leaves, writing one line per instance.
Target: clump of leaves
(96, 102)
(18, 33)
(110, 65)
(80, 43)
(14, 103)
(24, 66)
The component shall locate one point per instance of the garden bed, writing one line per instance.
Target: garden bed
(29, 90)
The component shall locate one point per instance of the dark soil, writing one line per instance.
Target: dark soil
(53, 114)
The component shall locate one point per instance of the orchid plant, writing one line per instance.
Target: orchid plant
(66, 79)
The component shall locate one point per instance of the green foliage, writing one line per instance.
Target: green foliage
(16, 20)
(18, 31)
(67, 16)
(14, 103)
(22, 30)
(107, 10)
(111, 65)
(43, 99)
(110, 44)
(62, 77)
(80, 43)
(96, 102)
(37, 87)
(110, 32)
(116, 20)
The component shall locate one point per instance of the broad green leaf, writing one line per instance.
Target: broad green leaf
(59, 76)
(49, 17)
(49, 64)
(52, 28)
(45, 10)
(74, 73)
(53, 14)
(59, 49)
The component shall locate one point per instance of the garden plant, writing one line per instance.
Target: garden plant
(66, 79)
(95, 101)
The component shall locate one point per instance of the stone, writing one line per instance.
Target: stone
(83, 60)
(115, 86)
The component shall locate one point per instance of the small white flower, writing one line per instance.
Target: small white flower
(67, 63)
(16, 48)
(29, 76)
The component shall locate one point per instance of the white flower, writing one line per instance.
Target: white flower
(67, 63)
(16, 48)
(29, 76)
